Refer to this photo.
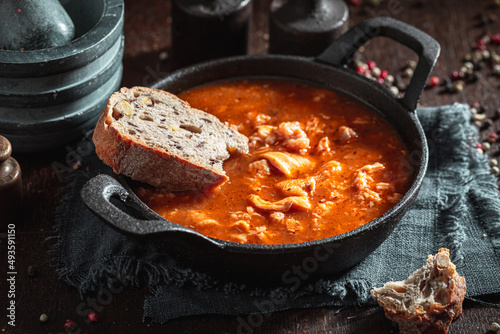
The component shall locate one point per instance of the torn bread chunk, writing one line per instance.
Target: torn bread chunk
(427, 301)
(154, 137)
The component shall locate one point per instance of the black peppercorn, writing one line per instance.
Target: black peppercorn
(32, 271)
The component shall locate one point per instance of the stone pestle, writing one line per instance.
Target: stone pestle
(34, 24)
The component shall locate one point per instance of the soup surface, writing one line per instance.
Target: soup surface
(320, 164)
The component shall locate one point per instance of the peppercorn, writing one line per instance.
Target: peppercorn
(371, 64)
(493, 137)
(479, 47)
(496, 69)
(32, 271)
(448, 85)
(454, 75)
(394, 90)
(486, 54)
(483, 40)
(494, 57)
(495, 39)
(434, 81)
(384, 74)
(469, 65)
(478, 123)
(458, 86)
(360, 70)
(44, 318)
(495, 170)
(486, 146)
(493, 162)
(389, 79)
(376, 72)
(69, 326)
(411, 64)
(93, 317)
(408, 72)
(163, 56)
(483, 20)
(487, 123)
(474, 76)
(477, 56)
(495, 327)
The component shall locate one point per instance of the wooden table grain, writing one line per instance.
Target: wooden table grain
(455, 24)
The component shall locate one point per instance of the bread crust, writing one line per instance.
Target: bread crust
(156, 166)
(407, 303)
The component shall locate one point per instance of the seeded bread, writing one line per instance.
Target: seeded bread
(428, 301)
(154, 137)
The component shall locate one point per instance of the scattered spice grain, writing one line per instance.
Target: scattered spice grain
(32, 271)
(93, 317)
(493, 137)
(434, 81)
(69, 326)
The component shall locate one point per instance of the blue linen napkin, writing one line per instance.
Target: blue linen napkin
(458, 208)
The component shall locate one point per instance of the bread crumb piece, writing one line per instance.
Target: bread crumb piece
(427, 301)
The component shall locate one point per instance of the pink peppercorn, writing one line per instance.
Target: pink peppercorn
(493, 137)
(384, 74)
(371, 64)
(69, 325)
(479, 146)
(93, 317)
(495, 39)
(434, 81)
(481, 41)
(360, 70)
(380, 81)
(355, 2)
(475, 105)
(454, 75)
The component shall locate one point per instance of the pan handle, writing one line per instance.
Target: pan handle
(427, 48)
(97, 194)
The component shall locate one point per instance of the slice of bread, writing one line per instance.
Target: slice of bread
(154, 137)
(426, 302)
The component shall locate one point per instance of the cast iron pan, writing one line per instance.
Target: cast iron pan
(289, 264)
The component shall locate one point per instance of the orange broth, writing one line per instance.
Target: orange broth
(320, 164)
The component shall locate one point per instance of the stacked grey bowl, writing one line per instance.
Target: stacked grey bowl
(51, 96)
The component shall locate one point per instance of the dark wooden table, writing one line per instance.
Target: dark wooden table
(455, 24)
